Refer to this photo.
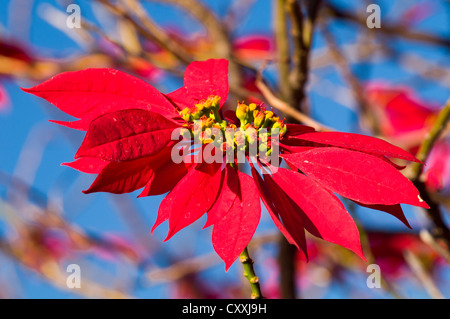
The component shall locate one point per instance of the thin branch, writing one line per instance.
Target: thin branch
(418, 269)
(428, 239)
(286, 108)
(440, 229)
(302, 30)
(389, 29)
(431, 138)
(299, 72)
(212, 24)
(283, 50)
(347, 73)
(217, 32)
(183, 268)
(148, 29)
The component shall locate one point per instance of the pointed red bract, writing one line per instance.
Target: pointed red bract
(89, 165)
(394, 210)
(126, 135)
(169, 172)
(89, 93)
(322, 213)
(126, 177)
(192, 197)
(361, 177)
(121, 177)
(283, 213)
(357, 142)
(234, 231)
(228, 191)
(298, 129)
(201, 80)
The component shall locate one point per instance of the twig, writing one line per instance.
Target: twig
(288, 274)
(213, 26)
(417, 267)
(148, 29)
(428, 239)
(302, 30)
(183, 268)
(286, 108)
(283, 50)
(389, 29)
(351, 79)
(440, 229)
(217, 31)
(430, 139)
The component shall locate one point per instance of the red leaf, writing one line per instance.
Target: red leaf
(282, 211)
(294, 149)
(201, 80)
(399, 111)
(90, 93)
(394, 210)
(228, 191)
(4, 99)
(89, 165)
(125, 177)
(298, 129)
(163, 211)
(361, 177)
(126, 135)
(387, 160)
(165, 178)
(192, 197)
(357, 142)
(322, 213)
(233, 232)
(122, 177)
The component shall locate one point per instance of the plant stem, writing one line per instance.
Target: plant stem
(288, 274)
(430, 139)
(282, 41)
(440, 230)
(249, 273)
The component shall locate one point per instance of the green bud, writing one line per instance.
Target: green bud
(186, 114)
(259, 118)
(242, 111)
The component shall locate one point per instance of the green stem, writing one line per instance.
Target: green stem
(430, 139)
(249, 273)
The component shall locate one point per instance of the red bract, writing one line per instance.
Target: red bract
(90, 93)
(128, 144)
(437, 167)
(4, 99)
(406, 120)
(401, 116)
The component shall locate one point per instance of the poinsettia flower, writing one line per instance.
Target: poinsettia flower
(129, 145)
